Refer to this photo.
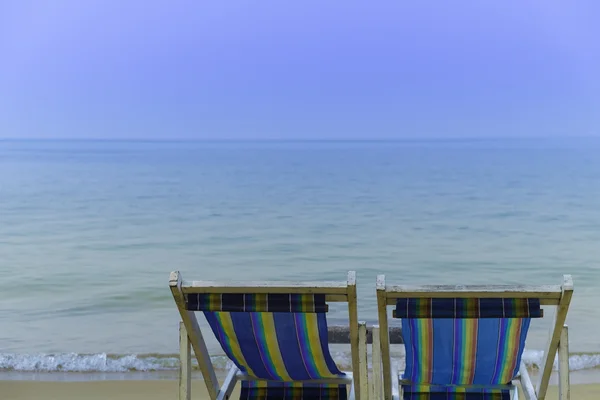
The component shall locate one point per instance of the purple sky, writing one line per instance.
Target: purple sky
(305, 69)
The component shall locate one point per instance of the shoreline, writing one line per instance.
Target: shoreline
(581, 377)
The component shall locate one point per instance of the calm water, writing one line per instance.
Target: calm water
(90, 230)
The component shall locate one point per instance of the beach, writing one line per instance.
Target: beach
(256, 183)
(585, 385)
(163, 390)
(130, 390)
(95, 228)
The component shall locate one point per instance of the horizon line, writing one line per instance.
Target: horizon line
(407, 139)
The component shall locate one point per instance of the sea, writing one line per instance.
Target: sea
(90, 230)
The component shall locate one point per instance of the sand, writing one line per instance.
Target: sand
(162, 390)
(117, 390)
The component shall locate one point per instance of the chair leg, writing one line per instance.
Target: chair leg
(351, 395)
(563, 365)
(377, 371)
(397, 390)
(185, 364)
(526, 384)
(362, 361)
(228, 384)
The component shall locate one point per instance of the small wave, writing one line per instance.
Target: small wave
(72, 362)
(102, 362)
(577, 362)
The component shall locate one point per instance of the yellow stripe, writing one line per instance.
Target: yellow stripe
(260, 302)
(314, 342)
(274, 355)
(424, 307)
(427, 333)
(227, 324)
(469, 346)
(260, 384)
(512, 343)
(214, 302)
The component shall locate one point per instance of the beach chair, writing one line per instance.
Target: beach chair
(275, 334)
(466, 342)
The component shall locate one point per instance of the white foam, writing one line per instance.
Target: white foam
(533, 358)
(73, 362)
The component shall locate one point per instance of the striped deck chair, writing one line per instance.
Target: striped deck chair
(466, 342)
(275, 334)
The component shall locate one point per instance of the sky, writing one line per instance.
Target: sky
(272, 69)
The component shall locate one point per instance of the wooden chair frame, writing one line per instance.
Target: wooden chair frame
(190, 335)
(386, 382)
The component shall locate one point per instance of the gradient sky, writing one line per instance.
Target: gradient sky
(307, 69)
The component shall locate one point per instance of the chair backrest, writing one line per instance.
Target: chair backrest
(466, 335)
(275, 331)
(463, 342)
(274, 337)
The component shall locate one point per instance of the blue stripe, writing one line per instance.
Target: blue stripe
(409, 343)
(289, 346)
(219, 333)
(242, 325)
(324, 338)
(486, 351)
(456, 351)
(443, 343)
(499, 362)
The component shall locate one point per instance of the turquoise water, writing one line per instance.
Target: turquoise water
(90, 231)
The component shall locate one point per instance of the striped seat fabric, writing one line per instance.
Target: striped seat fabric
(454, 395)
(239, 302)
(280, 347)
(456, 342)
(468, 308)
(291, 391)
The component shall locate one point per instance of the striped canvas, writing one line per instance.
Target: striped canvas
(252, 390)
(452, 395)
(455, 342)
(239, 302)
(463, 351)
(283, 347)
(467, 308)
